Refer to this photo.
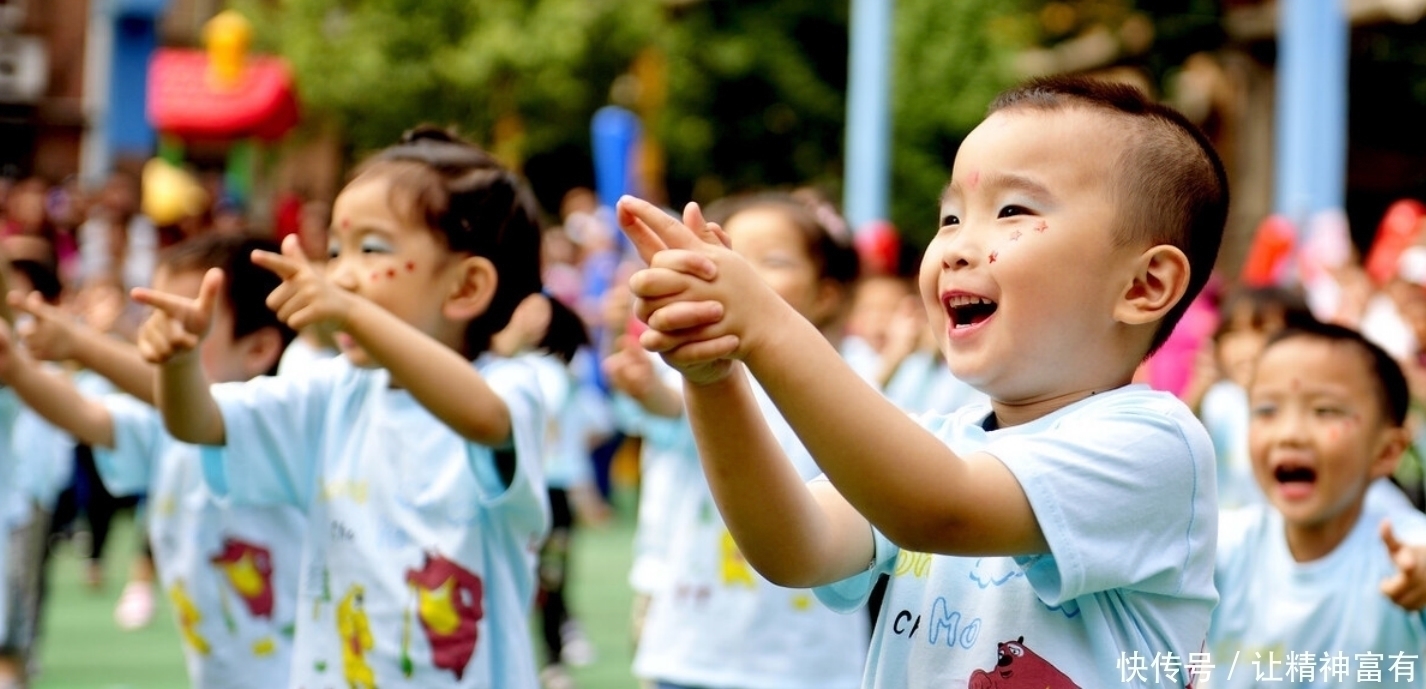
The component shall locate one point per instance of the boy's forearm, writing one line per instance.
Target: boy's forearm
(440, 378)
(184, 396)
(116, 360)
(903, 479)
(55, 398)
(764, 502)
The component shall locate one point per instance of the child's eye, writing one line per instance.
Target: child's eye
(371, 245)
(1264, 411)
(950, 220)
(1012, 211)
(1328, 411)
(333, 250)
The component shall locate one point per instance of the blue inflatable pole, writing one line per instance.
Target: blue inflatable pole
(867, 178)
(1310, 160)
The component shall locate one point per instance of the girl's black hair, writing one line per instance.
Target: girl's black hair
(475, 205)
(566, 334)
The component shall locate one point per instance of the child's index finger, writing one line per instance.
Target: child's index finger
(171, 304)
(279, 264)
(1389, 538)
(645, 239)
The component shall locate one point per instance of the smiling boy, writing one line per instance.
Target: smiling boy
(1052, 537)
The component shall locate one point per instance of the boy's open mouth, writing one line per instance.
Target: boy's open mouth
(1294, 480)
(966, 310)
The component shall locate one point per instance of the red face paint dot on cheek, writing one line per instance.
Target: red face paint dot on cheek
(410, 266)
(391, 273)
(375, 275)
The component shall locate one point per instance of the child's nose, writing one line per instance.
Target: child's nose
(341, 273)
(960, 250)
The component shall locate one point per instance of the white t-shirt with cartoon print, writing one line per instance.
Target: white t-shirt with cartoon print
(1122, 485)
(230, 572)
(420, 551)
(718, 623)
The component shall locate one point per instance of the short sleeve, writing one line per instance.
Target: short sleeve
(273, 430)
(517, 383)
(852, 593)
(1123, 495)
(139, 436)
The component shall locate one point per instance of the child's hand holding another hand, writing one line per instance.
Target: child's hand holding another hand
(704, 304)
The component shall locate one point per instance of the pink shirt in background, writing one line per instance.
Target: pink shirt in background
(1170, 368)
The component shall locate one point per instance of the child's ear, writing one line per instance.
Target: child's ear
(1393, 443)
(261, 350)
(1158, 281)
(472, 289)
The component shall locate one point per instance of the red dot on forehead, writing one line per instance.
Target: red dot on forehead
(346, 223)
(973, 179)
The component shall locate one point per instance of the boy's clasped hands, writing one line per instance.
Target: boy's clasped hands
(686, 293)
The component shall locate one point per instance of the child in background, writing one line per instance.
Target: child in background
(230, 573)
(578, 421)
(1068, 526)
(415, 459)
(1218, 391)
(717, 623)
(44, 458)
(1314, 583)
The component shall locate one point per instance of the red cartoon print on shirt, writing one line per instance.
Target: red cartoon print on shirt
(448, 603)
(1018, 667)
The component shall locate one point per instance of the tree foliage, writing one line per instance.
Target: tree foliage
(754, 93)
(532, 69)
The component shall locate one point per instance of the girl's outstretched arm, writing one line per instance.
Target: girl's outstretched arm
(439, 377)
(53, 396)
(170, 338)
(54, 337)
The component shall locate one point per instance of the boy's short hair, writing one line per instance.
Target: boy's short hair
(246, 285)
(1171, 188)
(1262, 309)
(1392, 390)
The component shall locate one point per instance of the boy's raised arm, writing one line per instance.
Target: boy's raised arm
(903, 479)
(170, 338)
(53, 396)
(439, 377)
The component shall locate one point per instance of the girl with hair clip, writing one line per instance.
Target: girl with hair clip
(716, 622)
(415, 455)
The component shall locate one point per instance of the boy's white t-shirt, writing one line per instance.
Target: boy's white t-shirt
(229, 572)
(1122, 485)
(419, 560)
(1320, 623)
(718, 623)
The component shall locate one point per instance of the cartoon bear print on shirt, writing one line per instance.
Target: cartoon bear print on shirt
(1018, 667)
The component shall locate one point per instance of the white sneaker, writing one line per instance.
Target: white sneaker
(577, 651)
(136, 606)
(554, 676)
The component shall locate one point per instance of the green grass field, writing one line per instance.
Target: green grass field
(82, 648)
